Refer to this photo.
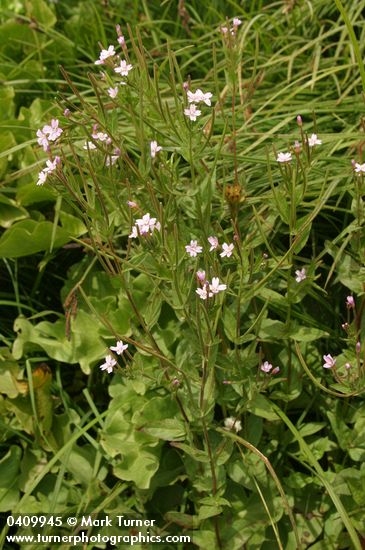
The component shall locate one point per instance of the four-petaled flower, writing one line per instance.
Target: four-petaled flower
(359, 168)
(113, 92)
(284, 157)
(215, 287)
(42, 139)
(266, 367)
(42, 176)
(232, 423)
(146, 224)
(313, 140)
(301, 274)
(110, 362)
(155, 148)
(193, 249)
(203, 293)
(192, 112)
(123, 68)
(89, 145)
(199, 96)
(329, 361)
(104, 54)
(53, 130)
(213, 241)
(227, 250)
(119, 348)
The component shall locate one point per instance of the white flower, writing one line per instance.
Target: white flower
(227, 250)
(329, 361)
(113, 92)
(89, 145)
(359, 168)
(42, 177)
(110, 362)
(199, 96)
(119, 348)
(104, 54)
(123, 68)
(192, 112)
(301, 274)
(237, 22)
(232, 423)
(284, 157)
(215, 287)
(313, 140)
(266, 367)
(155, 148)
(193, 248)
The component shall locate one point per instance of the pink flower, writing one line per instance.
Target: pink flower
(359, 168)
(313, 140)
(215, 287)
(237, 22)
(199, 96)
(42, 140)
(299, 121)
(350, 302)
(132, 204)
(113, 92)
(192, 112)
(119, 348)
(110, 362)
(284, 157)
(123, 68)
(155, 148)
(203, 293)
(53, 130)
(104, 54)
(227, 250)
(266, 367)
(213, 241)
(301, 274)
(146, 224)
(201, 276)
(193, 249)
(329, 361)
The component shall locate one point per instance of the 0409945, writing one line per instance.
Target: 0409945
(33, 521)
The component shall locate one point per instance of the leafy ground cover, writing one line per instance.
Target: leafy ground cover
(182, 268)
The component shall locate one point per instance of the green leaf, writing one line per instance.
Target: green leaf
(261, 406)
(169, 429)
(28, 237)
(9, 474)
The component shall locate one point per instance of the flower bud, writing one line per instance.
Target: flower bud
(299, 121)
